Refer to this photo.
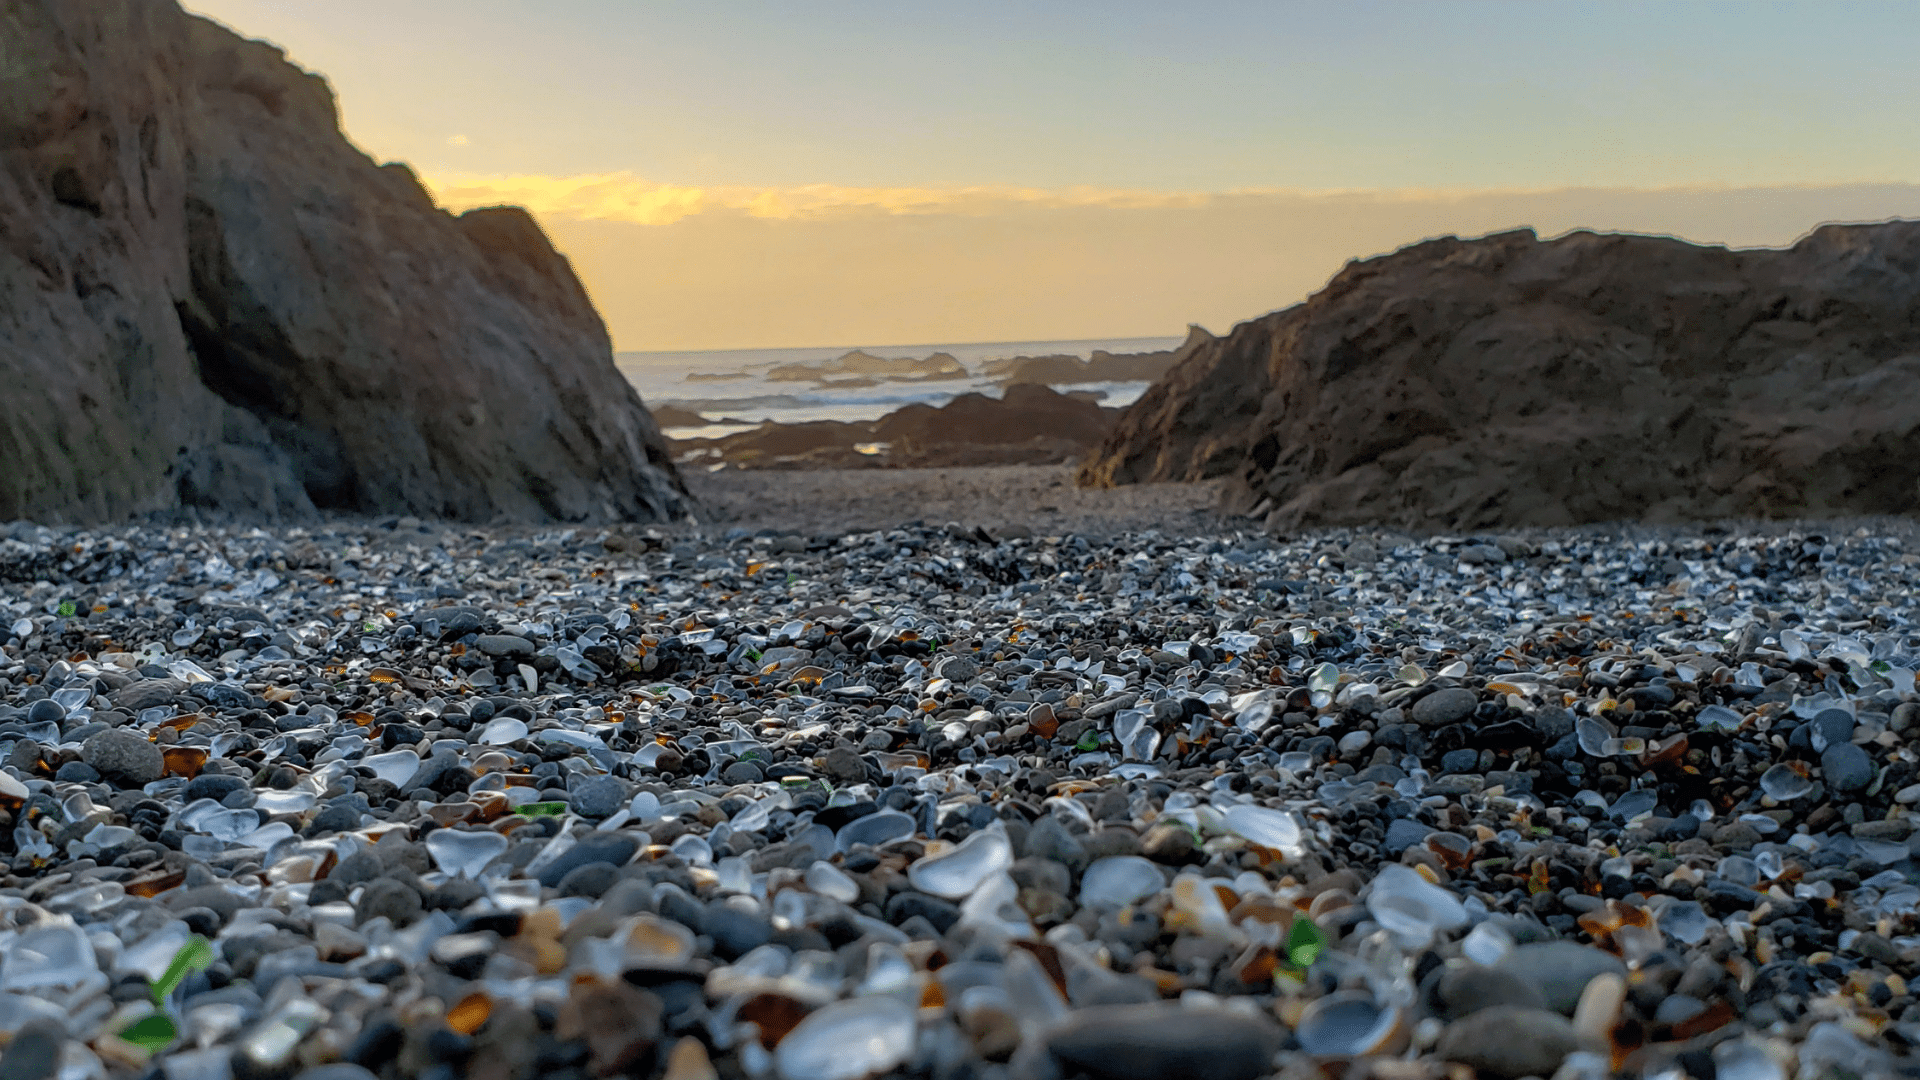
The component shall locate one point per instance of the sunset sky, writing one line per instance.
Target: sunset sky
(737, 175)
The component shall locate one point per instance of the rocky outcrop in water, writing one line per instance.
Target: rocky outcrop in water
(1066, 369)
(1028, 425)
(862, 368)
(209, 298)
(1461, 384)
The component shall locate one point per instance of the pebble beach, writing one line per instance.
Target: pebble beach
(1121, 792)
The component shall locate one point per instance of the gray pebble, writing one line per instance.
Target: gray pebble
(124, 758)
(1560, 970)
(1443, 707)
(1509, 1041)
(596, 797)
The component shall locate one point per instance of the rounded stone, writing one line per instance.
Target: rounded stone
(1560, 970)
(389, 899)
(734, 932)
(123, 758)
(356, 868)
(1846, 767)
(1509, 1041)
(597, 797)
(45, 711)
(1163, 1041)
(77, 772)
(338, 1070)
(1048, 839)
(34, 1052)
(601, 847)
(504, 645)
(957, 669)
(1463, 989)
(1443, 707)
(215, 786)
(1168, 843)
(590, 880)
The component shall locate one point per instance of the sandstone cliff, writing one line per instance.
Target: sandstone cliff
(208, 297)
(1460, 384)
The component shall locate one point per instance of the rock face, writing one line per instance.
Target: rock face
(1460, 384)
(209, 298)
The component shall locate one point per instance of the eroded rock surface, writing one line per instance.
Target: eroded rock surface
(209, 298)
(1460, 384)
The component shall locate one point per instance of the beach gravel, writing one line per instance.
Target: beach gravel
(953, 797)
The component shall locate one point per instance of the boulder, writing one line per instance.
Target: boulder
(1507, 381)
(210, 298)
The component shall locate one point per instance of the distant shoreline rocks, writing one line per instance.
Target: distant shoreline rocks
(860, 368)
(1029, 425)
(1066, 369)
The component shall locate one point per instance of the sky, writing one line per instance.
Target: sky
(745, 174)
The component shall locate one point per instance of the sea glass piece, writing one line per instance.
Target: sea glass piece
(754, 816)
(873, 830)
(503, 729)
(1686, 921)
(1486, 944)
(693, 849)
(653, 941)
(284, 802)
(957, 873)
(264, 837)
(848, 1040)
(1277, 830)
(464, 854)
(1794, 645)
(1784, 783)
(1593, 737)
(1632, 804)
(1718, 718)
(645, 807)
(396, 767)
(1412, 907)
(1345, 1024)
(1133, 729)
(829, 881)
(1196, 898)
(1741, 1059)
(46, 957)
(1119, 880)
(228, 825)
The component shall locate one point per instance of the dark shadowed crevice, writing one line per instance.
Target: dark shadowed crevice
(70, 190)
(544, 494)
(245, 359)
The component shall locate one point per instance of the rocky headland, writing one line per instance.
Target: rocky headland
(210, 299)
(1463, 384)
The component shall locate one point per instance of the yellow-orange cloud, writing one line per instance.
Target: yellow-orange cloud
(636, 200)
(820, 264)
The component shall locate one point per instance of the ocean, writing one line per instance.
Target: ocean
(731, 387)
